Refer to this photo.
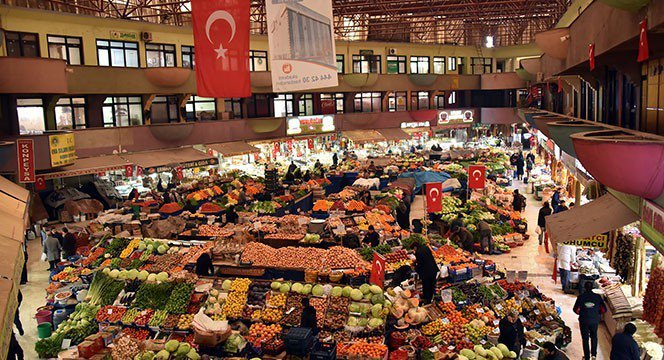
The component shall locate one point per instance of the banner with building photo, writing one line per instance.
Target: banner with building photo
(301, 43)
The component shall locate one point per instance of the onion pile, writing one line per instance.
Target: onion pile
(302, 257)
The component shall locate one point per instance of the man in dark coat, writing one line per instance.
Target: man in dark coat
(308, 319)
(623, 346)
(427, 270)
(511, 332)
(461, 236)
(372, 238)
(541, 219)
(68, 243)
(590, 308)
(551, 352)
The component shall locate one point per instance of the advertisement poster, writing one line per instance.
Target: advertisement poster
(63, 151)
(25, 154)
(306, 125)
(301, 44)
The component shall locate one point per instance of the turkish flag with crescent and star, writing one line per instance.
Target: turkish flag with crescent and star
(476, 176)
(221, 40)
(377, 276)
(643, 41)
(434, 193)
(591, 56)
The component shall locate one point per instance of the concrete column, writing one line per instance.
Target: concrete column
(94, 105)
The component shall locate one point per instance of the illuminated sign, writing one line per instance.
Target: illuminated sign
(413, 125)
(303, 125)
(597, 241)
(455, 117)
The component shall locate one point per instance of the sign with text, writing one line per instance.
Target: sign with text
(652, 224)
(414, 125)
(377, 270)
(455, 117)
(25, 154)
(301, 44)
(184, 165)
(63, 151)
(597, 241)
(124, 35)
(303, 125)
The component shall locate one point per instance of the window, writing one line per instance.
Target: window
(500, 66)
(117, 53)
(122, 111)
(397, 101)
(419, 64)
(419, 100)
(233, 106)
(70, 113)
(67, 48)
(396, 64)
(30, 116)
(188, 58)
(452, 99)
(459, 66)
(283, 105)
(22, 44)
(160, 55)
(305, 105)
(332, 103)
(165, 109)
(259, 105)
(341, 68)
(200, 108)
(368, 102)
(439, 101)
(439, 65)
(365, 64)
(257, 60)
(452, 64)
(481, 65)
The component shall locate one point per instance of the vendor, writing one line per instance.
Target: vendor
(511, 332)
(486, 240)
(308, 319)
(133, 195)
(461, 236)
(427, 270)
(372, 167)
(204, 265)
(372, 238)
(566, 257)
(551, 352)
(624, 347)
(231, 215)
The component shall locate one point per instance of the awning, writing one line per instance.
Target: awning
(234, 148)
(450, 127)
(395, 134)
(597, 217)
(411, 131)
(166, 160)
(363, 136)
(8, 306)
(87, 166)
(14, 190)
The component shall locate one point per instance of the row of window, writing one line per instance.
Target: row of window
(70, 112)
(125, 54)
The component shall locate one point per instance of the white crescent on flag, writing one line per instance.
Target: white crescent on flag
(431, 194)
(220, 15)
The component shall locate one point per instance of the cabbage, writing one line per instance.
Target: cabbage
(367, 296)
(375, 322)
(275, 285)
(356, 295)
(162, 249)
(123, 275)
(376, 310)
(306, 289)
(235, 343)
(143, 275)
(162, 276)
(352, 321)
(133, 274)
(141, 246)
(363, 322)
(284, 288)
(375, 289)
(226, 285)
(172, 346)
(162, 355)
(377, 299)
(148, 355)
(354, 308)
(346, 291)
(193, 355)
(297, 287)
(106, 270)
(152, 277)
(365, 288)
(318, 290)
(183, 349)
(336, 291)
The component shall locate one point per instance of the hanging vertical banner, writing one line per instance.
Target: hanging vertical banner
(434, 197)
(560, 85)
(289, 144)
(476, 176)
(301, 43)
(129, 171)
(591, 56)
(178, 172)
(643, 41)
(25, 154)
(310, 144)
(377, 276)
(40, 183)
(139, 171)
(221, 38)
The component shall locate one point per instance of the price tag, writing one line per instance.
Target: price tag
(66, 343)
(433, 349)
(536, 311)
(496, 331)
(445, 321)
(523, 319)
(109, 311)
(549, 318)
(302, 221)
(482, 341)
(496, 322)
(480, 311)
(446, 294)
(498, 307)
(451, 347)
(257, 225)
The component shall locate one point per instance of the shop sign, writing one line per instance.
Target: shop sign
(597, 241)
(101, 171)
(184, 165)
(652, 224)
(549, 144)
(377, 270)
(63, 151)
(455, 117)
(303, 125)
(25, 154)
(124, 35)
(413, 125)
(327, 106)
(569, 161)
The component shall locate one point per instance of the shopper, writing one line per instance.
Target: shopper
(133, 195)
(204, 266)
(427, 270)
(308, 319)
(623, 345)
(231, 215)
(317, 165)
(513, 159)
(566, 257)
(56, 234)
(335, 160)
(52, 250)
(511, 332)
(461, 236)
(372, 167)
(371, 238)
(519, 166)
(590, 308)
(530, 162)
(518, 201)
(68, 244)
(555, 200)
(15, 350)
(551, 352)
(541, 220)
(486, 241)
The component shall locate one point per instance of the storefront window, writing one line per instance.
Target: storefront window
(439, 101)
(30, 116)
(117, 53)
(341, 68)
(396, 64)
(283, 105)
(439, 65)
(481, 65)
(22, 44)
(188, 57)
(452, 99)
(123, 111)
(368, 102)
(419, 64)
(452, 64)
(419, 100)
(200, 108)
(70, 113)
(165, 109)
(365, 64)
(397, 101)
(336, 100)
(67, 48)
(257, 60)
(259, 105)
(233, 106)
(305, 105)
(160, 55)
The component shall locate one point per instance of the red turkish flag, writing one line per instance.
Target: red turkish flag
(129, 170)
(221, 39)
(178, 171)
(40, 183)
(139, 171)
(591, 56)
(560, 85)
(310, 144)
(434, 192)
(377, 276)
(643, 41)
(476, 176)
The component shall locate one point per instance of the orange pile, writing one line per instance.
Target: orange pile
(355, 205)
(361, 348)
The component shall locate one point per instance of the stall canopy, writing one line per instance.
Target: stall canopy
(234, 148)
(154, 161)
(363, 136)
(423, 177)
(87, 166)
(14, 190)
(597, 217)
(394, 134)
(13, 210)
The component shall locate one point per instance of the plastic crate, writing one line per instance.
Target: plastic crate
(298, 341)
(324, 351)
